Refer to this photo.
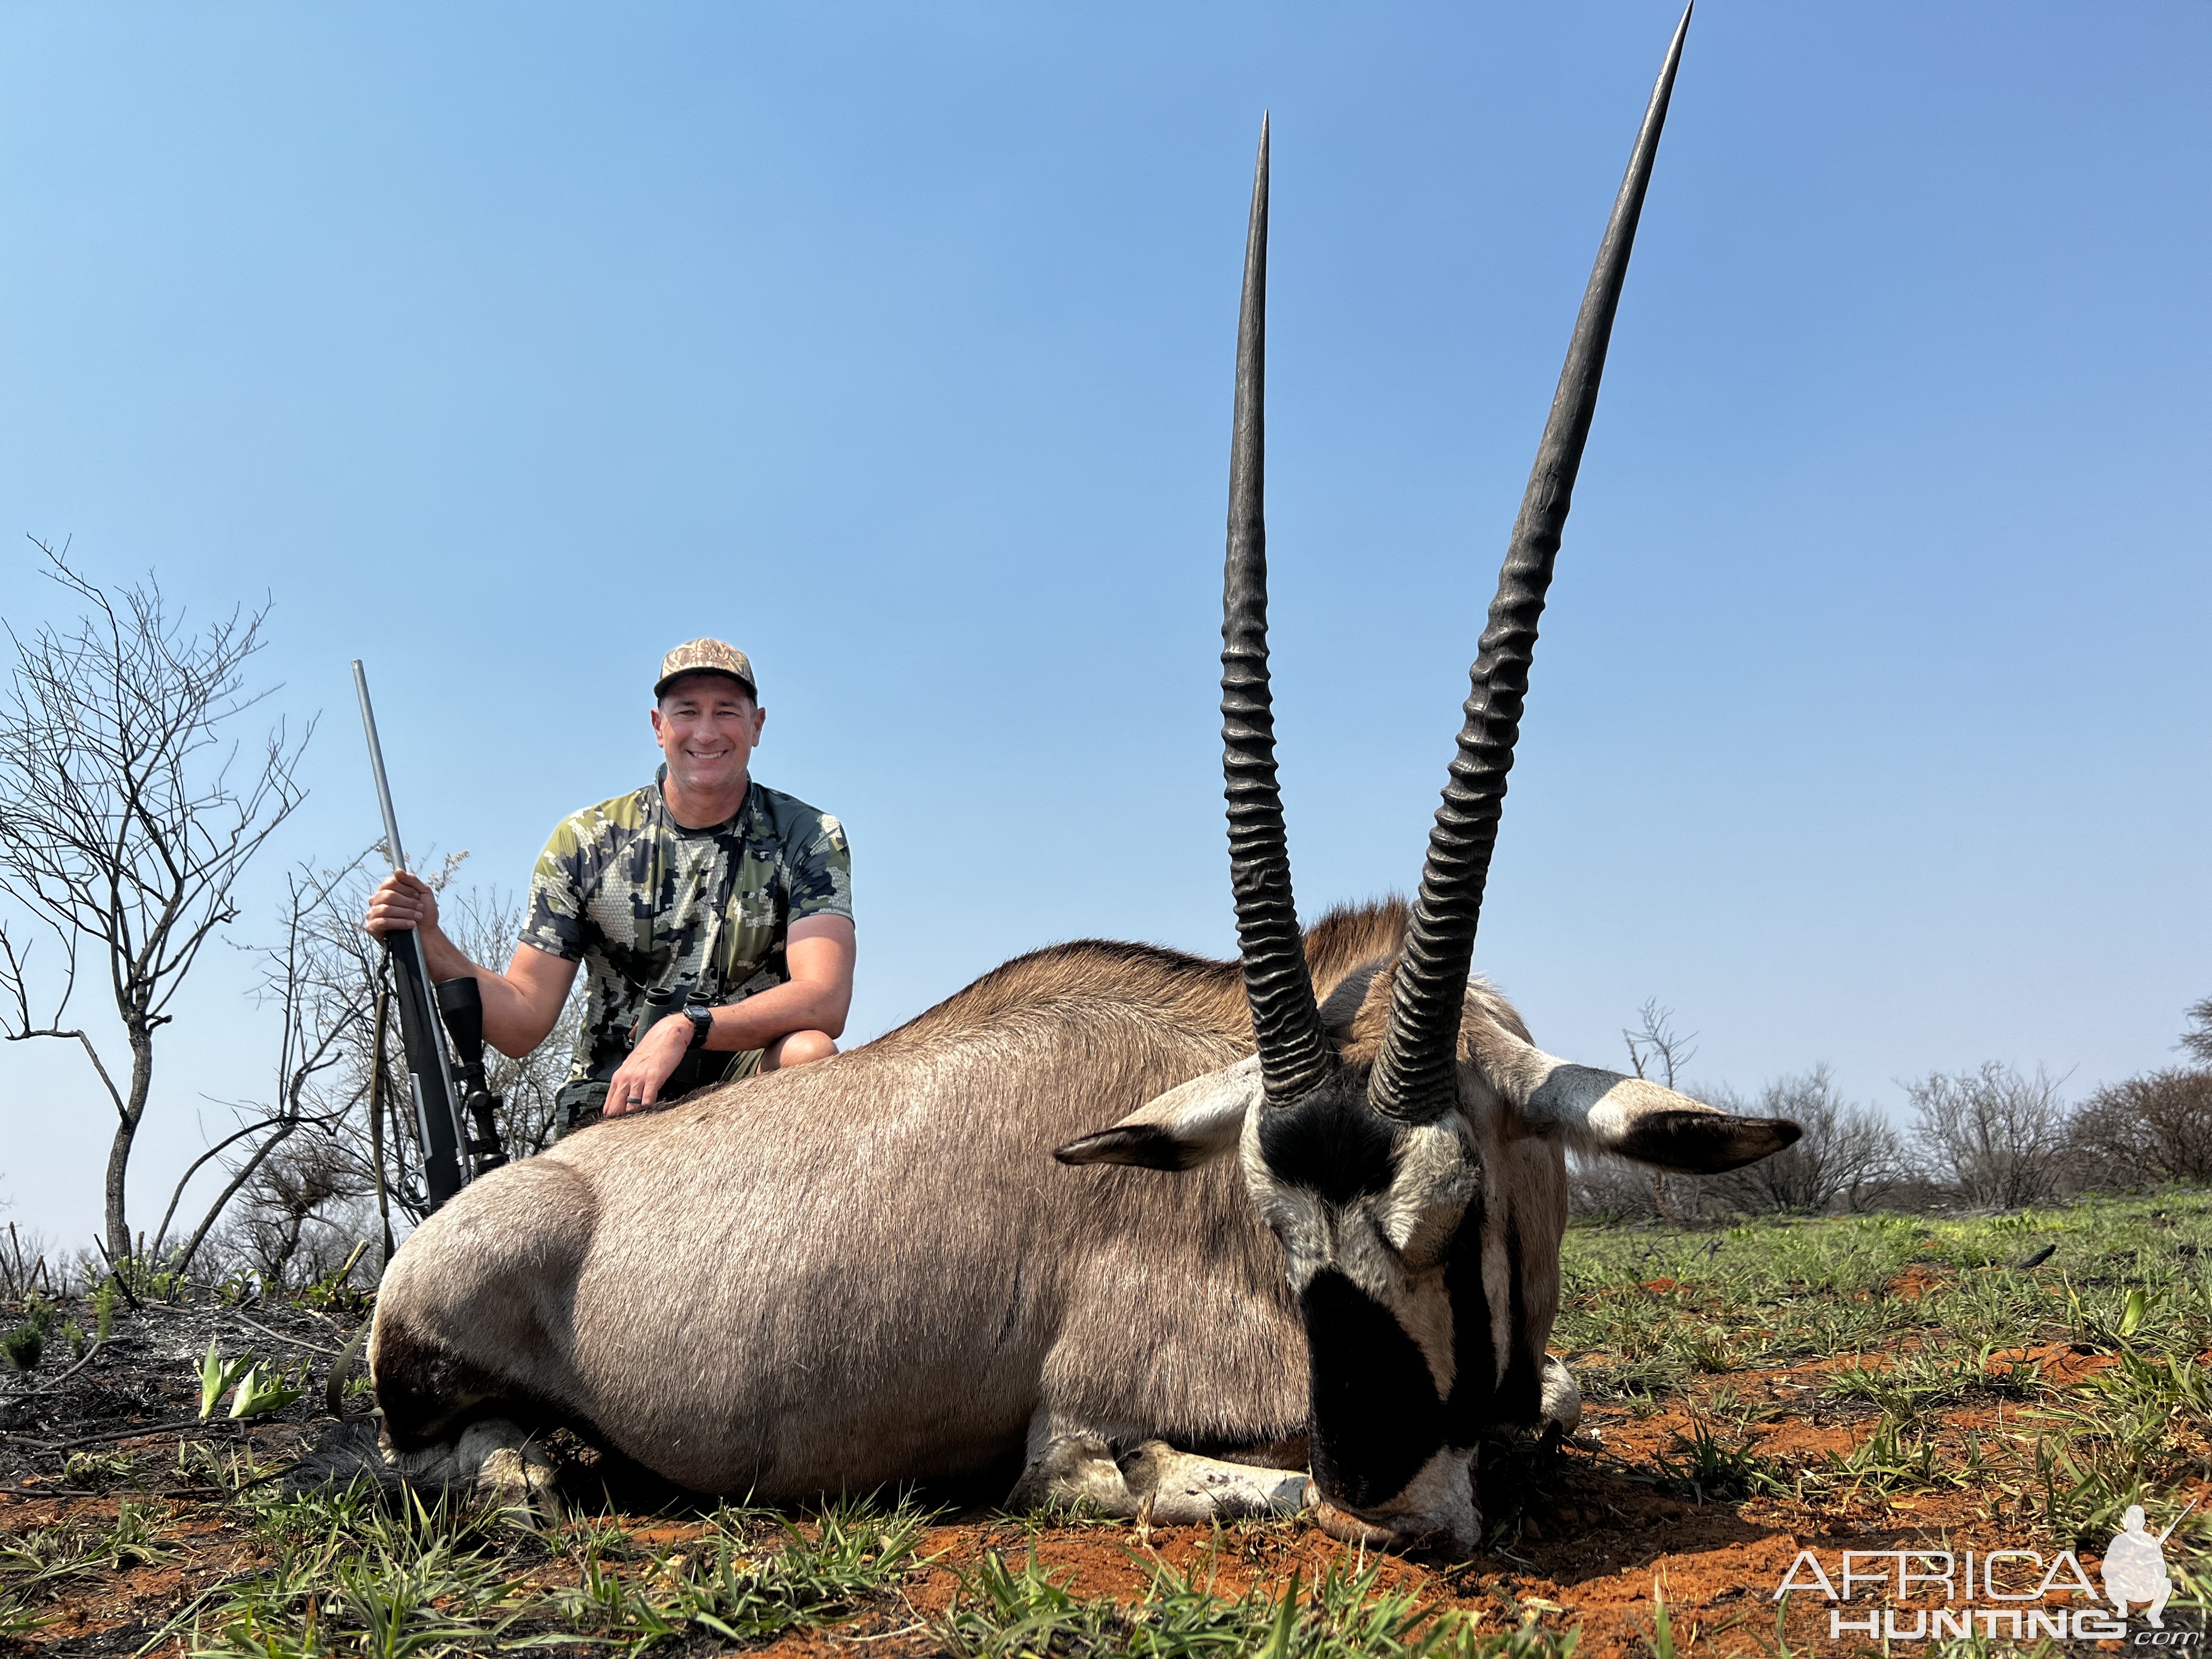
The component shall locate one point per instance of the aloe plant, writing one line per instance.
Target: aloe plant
(261, 1390)
(217, 1375)
(2131, 1316)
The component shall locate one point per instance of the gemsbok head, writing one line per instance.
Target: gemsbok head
(1405, 1141)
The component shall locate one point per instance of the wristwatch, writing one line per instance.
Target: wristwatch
(702, 1022)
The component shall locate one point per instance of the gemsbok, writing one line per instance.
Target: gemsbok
(1320, 1226)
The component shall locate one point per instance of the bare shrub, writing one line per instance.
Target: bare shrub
(1608, 1188)
(1656, 1049)
(330, 1158)
(23, 1265)
(300, 1215)
(364, 1095)
(2197, 1039)
(322, 1014)
(1850, 1154)
(1991, 1135)
(2148, 1129)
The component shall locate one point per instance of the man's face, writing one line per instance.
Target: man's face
(707, 726)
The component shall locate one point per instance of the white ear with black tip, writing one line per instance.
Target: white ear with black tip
(1603, 1111)
(1195, 1122)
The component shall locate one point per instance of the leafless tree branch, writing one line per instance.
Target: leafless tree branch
(1654, 1041)
(126, 817)
(2197, 1040)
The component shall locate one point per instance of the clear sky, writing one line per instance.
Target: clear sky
(505, 346)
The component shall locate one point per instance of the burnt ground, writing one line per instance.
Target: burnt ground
(1709, 1460)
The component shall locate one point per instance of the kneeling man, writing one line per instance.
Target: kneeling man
(714, 915)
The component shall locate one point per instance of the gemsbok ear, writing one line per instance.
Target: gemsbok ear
(1603, 1111)
(1181, 1129)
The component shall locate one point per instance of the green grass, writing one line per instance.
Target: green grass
(2047, 1399)
(2127, 1290)
(39, 1566)
(1792, 1289)
(1705, 1468)
(348, 1573)
(729, 1584)
(1005, 1612)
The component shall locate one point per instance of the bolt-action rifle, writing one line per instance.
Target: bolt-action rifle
(443, 1090)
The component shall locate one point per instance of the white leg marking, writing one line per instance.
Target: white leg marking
(1073, 1471)
(1188, 1489)
(499, 1460)
(1562, 1399)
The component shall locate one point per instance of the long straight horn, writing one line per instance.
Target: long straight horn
(1413, 1073)
(1294, 1056)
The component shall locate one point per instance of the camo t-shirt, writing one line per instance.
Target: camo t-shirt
(646, 904)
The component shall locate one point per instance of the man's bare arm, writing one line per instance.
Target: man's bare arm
(519, 1007)
(819, 951)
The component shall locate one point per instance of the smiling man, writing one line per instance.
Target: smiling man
(713, 914)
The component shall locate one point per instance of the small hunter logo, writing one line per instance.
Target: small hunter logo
(2134, 1566)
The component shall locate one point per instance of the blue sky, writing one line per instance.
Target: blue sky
(506, 346)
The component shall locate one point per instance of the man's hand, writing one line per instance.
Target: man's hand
(520, 1006)
(402, 903)
(637, 1085)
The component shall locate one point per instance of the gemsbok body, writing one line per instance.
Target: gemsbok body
(1152, 1229)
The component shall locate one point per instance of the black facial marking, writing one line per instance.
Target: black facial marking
(1376, 1419)
(1331, 1146)
(1704, 1143)
(1145, 1144)
(1475, 1353)
(424, 1389)
(1520, 1393)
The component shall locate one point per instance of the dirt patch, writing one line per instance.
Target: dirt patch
(1916, 1282)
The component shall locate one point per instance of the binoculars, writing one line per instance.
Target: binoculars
(460, 1006)
(695, 1067)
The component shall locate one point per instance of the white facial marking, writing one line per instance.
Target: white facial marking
(1435, 1183)
(1562, 1399)
(1298, 1217)
(1440, 1498)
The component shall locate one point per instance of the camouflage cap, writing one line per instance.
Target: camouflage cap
(706, 657)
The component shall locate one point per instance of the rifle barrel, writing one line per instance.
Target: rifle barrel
(2177, 1521)
(391, 847)
(437, 1113)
